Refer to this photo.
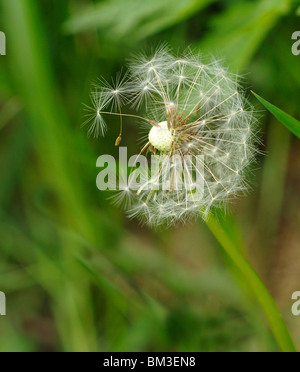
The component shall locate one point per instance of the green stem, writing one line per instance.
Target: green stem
(275, 319)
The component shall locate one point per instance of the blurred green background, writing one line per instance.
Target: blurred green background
(80, 276)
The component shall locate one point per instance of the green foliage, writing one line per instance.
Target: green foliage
(233, 250)
(77, 274)
(237, 32)
(291, 123)
(122, 19)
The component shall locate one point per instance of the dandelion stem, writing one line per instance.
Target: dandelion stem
(127, 115)
(274, 317)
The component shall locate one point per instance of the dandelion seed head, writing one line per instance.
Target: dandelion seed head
(191, 107)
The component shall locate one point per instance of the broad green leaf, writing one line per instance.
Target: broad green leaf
(291, 123)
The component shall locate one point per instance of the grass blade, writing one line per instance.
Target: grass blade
(275, 319)
(291, 123)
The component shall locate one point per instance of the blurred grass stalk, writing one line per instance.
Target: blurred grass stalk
(272, 194)
(30, 63)
(274, 317)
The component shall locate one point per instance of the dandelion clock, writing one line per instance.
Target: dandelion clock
(198, 125)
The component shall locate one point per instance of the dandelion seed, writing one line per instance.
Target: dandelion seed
(191, 109)
(97, 125)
